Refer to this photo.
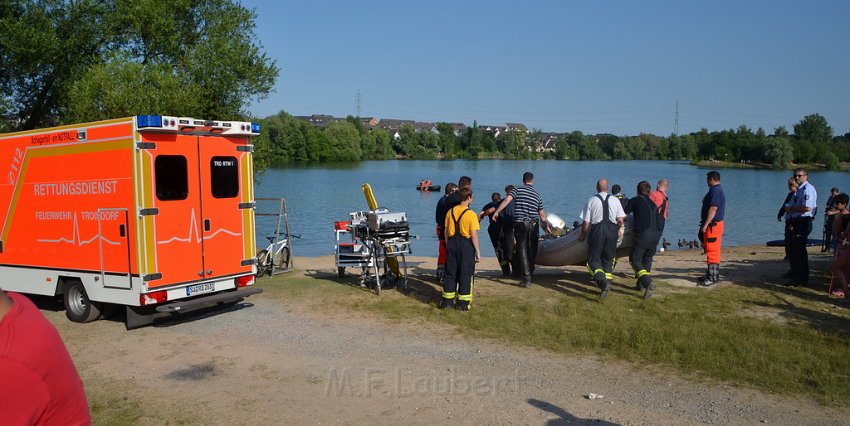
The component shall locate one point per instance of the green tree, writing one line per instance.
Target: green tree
(813, 128)
(81, 60)
(448, 140)
(344, 142)
(780, 132)
(514, 145)
(45, 46)
(778, 151)
(804, 151)
(829, 160)
(621, 152)
(562, 149)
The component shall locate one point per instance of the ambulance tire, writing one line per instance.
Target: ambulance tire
(78, 306)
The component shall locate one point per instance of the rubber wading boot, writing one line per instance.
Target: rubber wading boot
(606, 287)
(599, 279)
(642, 282)
(649, 287)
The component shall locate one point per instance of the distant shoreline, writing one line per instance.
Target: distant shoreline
(717, 164)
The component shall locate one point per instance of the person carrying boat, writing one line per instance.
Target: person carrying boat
(659, 197)
(494, 229)
(647, 232)
(711, 227)
(603, 224)
(528, 215)
(803, 209)
(440, 217)
(507, 242)
(462, 252)
(617, 191)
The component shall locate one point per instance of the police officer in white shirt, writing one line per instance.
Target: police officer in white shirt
(604, 220)
(803, 209)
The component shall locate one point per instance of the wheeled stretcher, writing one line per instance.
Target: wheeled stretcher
(376, 242)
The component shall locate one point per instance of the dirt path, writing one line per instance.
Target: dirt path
(271, 363)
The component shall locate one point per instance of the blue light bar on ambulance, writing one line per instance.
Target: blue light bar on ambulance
(149, 121)
(255, 127)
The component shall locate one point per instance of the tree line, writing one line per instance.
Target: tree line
(287, 140)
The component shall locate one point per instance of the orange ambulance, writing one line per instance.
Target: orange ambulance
(152, 213)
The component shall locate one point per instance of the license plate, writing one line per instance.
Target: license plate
(200, 288)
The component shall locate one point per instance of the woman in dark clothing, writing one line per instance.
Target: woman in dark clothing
(792, 188)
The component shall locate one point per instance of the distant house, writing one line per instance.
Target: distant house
(516, 127)
(494, 130)
(459, 128)
(319, 120)
(423, 126)
(369, 122)
(393, 124)
(549, 142)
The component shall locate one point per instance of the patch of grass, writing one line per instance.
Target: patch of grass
(800, 348)
(121, 403)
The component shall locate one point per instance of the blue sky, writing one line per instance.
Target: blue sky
(594, 66)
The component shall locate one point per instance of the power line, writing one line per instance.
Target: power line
(676, 124)
(358, 105)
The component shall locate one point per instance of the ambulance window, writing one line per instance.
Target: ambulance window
(225, 177)
(172, 177)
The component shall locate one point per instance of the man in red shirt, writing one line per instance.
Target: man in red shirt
(659, 197)
(39, 385)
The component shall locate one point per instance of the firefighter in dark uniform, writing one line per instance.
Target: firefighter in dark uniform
(507, 243)
(494, 228)
(440, 216)
(647, 231)
(462, 252)
(603, 221)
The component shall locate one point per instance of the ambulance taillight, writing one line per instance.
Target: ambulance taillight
(153, 298)
(245, 281)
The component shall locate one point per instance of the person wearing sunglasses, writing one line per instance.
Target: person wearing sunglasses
(803, 209)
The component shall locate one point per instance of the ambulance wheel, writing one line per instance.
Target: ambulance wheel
(340, 270)
(78, 306)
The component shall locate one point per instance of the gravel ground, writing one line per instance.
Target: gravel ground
(264, 362)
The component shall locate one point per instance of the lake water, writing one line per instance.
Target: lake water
(317, 196)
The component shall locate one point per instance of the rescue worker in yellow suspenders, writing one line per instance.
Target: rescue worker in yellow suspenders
(603, 220)
(462, 252)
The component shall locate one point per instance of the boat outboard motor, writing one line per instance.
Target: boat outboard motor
(557, 226)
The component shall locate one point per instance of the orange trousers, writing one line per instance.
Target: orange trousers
(441, 256)
(711, 242)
